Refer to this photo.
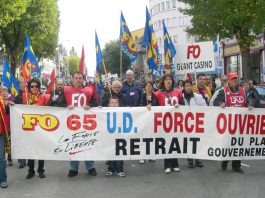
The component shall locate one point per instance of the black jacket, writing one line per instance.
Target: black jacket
(153, 102)
(60, 101)
(123, 100)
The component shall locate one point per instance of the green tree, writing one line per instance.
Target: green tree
(73, 63)
(41, 21)
(11, 10)
(243, 19)
(111, 56)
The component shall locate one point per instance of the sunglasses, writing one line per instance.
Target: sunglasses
(34, 86)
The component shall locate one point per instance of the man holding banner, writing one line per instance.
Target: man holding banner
(80, 96)
(231, 96)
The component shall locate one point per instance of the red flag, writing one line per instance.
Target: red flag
(51, 82)
(82, 66)
(189, 77)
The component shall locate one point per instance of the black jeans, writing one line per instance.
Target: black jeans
(40, 166)
(236, 164)
(171, 163)
(115, 166)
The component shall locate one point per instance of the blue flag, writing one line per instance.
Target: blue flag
(30, 66)
(98, 62)
(127, 43)
(9, 80)
(169, 50)
(150, 43)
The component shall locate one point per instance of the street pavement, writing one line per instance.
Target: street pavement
(142, 181)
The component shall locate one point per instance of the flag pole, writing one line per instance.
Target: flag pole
(106, 75)
(121, 59)
(54, 85)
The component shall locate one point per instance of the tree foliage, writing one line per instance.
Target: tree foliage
(111, 56)
(41, 21)
(73, 63)
(243, 19)
(11, 10)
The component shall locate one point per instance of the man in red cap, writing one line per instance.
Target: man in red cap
(231, 96)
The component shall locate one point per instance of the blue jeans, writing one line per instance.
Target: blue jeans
(75, 164)
(3, 175)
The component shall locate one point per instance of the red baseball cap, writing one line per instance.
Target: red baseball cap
(232, 75)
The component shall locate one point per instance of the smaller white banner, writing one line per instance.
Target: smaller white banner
(194, 57)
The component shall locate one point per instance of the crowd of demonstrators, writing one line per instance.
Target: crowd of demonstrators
(163, 92)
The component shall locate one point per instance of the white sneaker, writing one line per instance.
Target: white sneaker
(168, 170)
(121, 174)
(141, 161)
(176, 169)
(109, 173)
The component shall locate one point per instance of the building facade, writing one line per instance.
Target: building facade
(175, 21)
(232, 58)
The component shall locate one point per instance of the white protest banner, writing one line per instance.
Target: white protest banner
(191, 57)
(127, 133)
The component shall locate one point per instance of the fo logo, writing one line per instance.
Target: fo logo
(237, 99)
(79, 100)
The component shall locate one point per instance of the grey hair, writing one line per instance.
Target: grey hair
(129, 72)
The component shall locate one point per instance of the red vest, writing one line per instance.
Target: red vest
(169, 98)
(235, 99)
(43, 99)
(78, 97)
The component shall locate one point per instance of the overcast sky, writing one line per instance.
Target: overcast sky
(80, 19)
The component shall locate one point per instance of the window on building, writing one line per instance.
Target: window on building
(162, 6)
(159, 24)
(174, 21)
(233, 63)
(168, 5)
(160, 41)
(173, 3)
(181, 21)
(158, 7)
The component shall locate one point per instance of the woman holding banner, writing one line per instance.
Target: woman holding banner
(169, 96)
(192, 99)
(148, 99)
(33, 96)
